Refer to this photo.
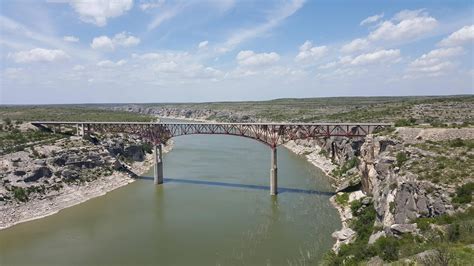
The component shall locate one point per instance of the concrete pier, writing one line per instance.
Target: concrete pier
(158, 173)
(274, 173)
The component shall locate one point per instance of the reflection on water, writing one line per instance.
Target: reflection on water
(214, 208)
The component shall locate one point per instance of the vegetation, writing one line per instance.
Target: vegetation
(342, 198)
(404, 111)
(453, 164)
(464, 193)
(16, 141)
(339, 171)
(20, 194)
(68, 113)
(401, 158)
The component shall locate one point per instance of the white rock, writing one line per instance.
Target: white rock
(356, 195)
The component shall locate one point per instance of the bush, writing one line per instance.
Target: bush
(7, 121)
(342, 199)
(387, 248)
(20, 194)
(453, 233)
(401, 158)
(405, 122)
(464, 193)
(456, 143)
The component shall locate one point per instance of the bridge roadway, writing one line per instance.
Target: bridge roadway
(270, 134)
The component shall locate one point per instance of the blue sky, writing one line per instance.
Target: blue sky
(96, 51)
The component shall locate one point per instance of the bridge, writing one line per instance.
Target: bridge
(270, 134)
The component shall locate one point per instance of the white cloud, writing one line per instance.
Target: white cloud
(38, 55)
(381, 56)
(274, 18)
(121, 39)
(460, 37)
(371, 19)
(405, 25)
(436, 61)
(125, 40)
(250, 58)
(309, 52)
(355, 45)
(108, 63)
(164, 15)
(103, 43)
(70, 39)
(145, 5)
(203, 44)
(98, 11)
(377, 57)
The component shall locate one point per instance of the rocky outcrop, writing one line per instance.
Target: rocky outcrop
(399, 198)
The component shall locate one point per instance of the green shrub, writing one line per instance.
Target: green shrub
(405, 122)
(401, 158)
(342, 199)
(20, 194)
(387, 248)
(453, 233)
(464, 193)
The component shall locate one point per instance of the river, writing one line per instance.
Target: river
(213, 209)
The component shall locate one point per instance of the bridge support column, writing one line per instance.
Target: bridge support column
(158, 173)
(274, 173)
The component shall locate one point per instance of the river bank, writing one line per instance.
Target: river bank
(70, 194)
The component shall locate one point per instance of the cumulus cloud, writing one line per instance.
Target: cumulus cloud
(355, 45)
(377, 57)
(460, 37)
(381, 56)
(371, 19)
(250, 58)
(98, 11)
(70, 39)
(203, 44)
(309, 52)
(108, 63)
(108, 44)
(436, 61)
(405, 25)
(38, 55)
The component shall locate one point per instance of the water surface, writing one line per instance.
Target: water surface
(213, 209)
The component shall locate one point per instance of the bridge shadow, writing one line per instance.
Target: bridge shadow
(234, 185)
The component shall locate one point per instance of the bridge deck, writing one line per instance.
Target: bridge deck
(210, 123)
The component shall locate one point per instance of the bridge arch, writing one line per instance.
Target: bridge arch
(270, 134)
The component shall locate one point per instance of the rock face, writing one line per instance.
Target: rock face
(398, 198)
(38, 173)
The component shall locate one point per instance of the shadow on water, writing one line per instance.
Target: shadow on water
(234, 185)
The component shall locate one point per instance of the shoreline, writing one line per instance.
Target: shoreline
(73, 195)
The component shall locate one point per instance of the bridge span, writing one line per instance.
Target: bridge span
(270, 134)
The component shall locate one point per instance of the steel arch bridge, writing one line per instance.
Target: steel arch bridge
(270, 134)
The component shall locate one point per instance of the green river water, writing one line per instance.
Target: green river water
(213, 209)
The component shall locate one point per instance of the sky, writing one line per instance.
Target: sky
(109, 51)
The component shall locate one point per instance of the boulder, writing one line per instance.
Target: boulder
(19, 172)
(403, 228)
(375, 261)
(38, 173)
(376, 236)
(345, 234)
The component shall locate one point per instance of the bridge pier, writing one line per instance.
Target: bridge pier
(158, 173)
(274, 173)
